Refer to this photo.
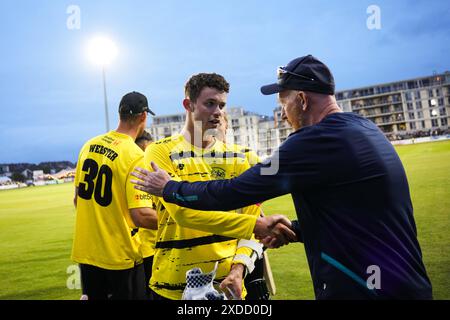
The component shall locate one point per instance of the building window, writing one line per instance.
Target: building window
(444, 122)
(442, 111)
(408, 96)
(417, 95)
(418, 104)
(441, 101)
(430, 93)
(423, 124)
(411, 115)
(412, 85)
(419, 114)
(412, 126)
(410, 106)
(434, 122)
(438, 92)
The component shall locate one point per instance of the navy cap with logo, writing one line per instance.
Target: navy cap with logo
(304, 74)
(134, 103)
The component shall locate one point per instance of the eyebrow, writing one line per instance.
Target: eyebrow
(216, 101)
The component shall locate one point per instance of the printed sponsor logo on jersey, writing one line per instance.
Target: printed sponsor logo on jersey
(107, 139)
(143, 197)
(217, 173)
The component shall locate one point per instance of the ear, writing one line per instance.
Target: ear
(303, 100)
(144, 117)
(188, 105)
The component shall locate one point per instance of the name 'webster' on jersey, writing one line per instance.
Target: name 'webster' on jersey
(104, 234)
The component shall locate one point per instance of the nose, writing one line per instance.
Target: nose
(217, 112)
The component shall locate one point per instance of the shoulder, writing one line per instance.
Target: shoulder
(176, 138)
(91, 141)
(163, 147)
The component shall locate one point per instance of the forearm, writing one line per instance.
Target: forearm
(144, 218)
(249, 188)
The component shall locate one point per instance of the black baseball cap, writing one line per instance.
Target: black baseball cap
(134, 103)
(305, 73)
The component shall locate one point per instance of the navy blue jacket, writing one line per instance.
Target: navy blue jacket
(352, 199)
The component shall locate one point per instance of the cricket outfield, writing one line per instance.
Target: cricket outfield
(37, 224)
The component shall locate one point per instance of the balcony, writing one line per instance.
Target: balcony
(368, 106)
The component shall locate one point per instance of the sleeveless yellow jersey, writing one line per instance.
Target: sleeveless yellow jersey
(105, 236)
(189, 238)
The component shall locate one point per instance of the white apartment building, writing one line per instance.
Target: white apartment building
(244, 128)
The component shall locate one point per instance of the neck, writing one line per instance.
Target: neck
(326, 108)
(194, 135)
(124, 128)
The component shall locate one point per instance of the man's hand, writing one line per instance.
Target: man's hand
(232, 284)
(151, 182)
(274, 231)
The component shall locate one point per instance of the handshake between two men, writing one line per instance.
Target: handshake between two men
(273, 231)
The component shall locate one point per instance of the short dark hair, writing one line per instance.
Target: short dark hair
(130, 118)
(145, 136)
(197, 82)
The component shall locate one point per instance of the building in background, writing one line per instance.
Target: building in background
(166, 125)
(403, 109)
(5, 171)
(244, 128)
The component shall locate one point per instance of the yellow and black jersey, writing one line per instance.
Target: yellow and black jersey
(105, 235)
(189, 238)
(251, 155)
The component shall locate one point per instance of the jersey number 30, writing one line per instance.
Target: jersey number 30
(103, 196)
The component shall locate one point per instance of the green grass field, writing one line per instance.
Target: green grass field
(37, 224)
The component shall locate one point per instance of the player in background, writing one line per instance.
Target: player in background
(109, 209)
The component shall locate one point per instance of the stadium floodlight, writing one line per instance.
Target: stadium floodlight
(102, 51)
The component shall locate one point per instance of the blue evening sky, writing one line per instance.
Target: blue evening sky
(51, 96)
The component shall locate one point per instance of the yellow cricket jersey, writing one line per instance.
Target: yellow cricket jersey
(105, 236)
(189, 238)
(147, 239)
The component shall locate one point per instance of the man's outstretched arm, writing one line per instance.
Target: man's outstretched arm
(154, 183)
(249, 188)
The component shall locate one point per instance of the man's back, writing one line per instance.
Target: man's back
(103, 235)
(356, 215)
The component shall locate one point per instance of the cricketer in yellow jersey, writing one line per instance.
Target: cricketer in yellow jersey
(188, 238)
(109, 210)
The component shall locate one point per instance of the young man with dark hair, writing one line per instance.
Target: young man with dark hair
(190, 238)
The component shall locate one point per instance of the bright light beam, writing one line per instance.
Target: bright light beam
(101, 51)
